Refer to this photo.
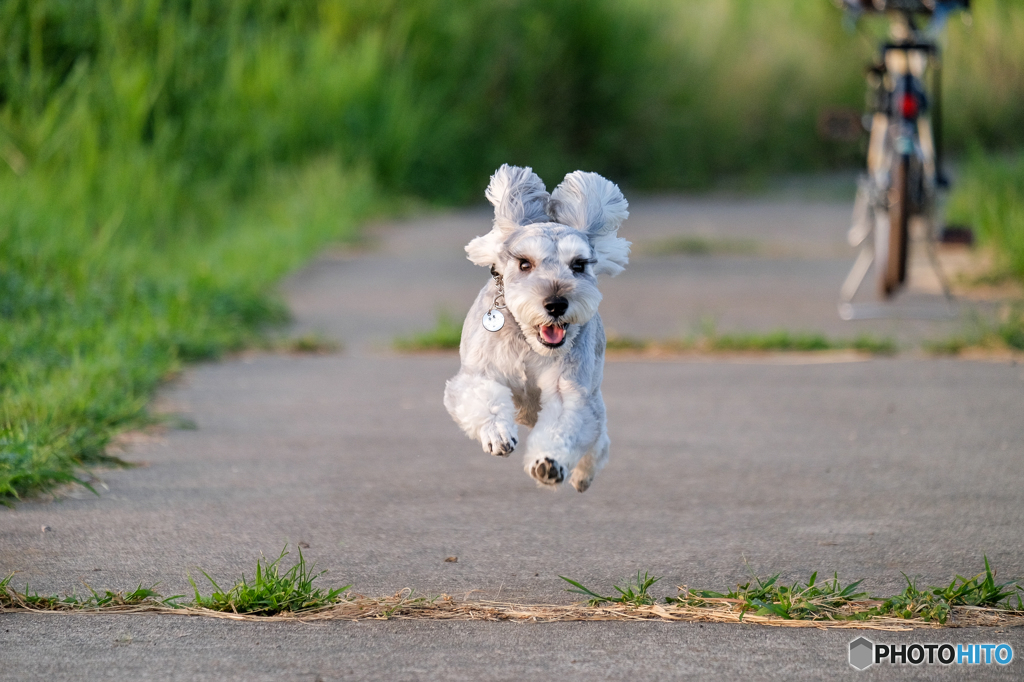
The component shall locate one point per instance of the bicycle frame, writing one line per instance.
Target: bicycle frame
(905, 65)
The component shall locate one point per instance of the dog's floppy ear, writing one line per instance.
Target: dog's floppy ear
(595, 206)
(519, 198)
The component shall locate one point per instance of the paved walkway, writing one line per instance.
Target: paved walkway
(868, 468)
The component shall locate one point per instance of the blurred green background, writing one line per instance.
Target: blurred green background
(164, 163)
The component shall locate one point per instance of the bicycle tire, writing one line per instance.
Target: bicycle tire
(894, 269)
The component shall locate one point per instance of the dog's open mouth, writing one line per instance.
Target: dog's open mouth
(551, 335)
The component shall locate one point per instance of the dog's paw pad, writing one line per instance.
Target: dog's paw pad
(497, 443)
(548, 471)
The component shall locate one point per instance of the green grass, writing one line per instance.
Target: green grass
(270, 591)
(88, 332)
(11, 598)
(779, 340)
(989, 196)
(774, 341)
(312, 343)
(1006, 332)
(700, 246)
(768, 597)
(826, 600)
(829, 599)
(627, 343)
(446, 335)
(634, 593)
(953, 345)
(935, 603)
(782, 340)
(1011, 328)
(273, 591)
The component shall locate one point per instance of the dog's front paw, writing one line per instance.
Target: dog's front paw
(547, 471)
(498, 440)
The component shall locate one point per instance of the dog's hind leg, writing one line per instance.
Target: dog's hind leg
(591, 463)
(483, 408)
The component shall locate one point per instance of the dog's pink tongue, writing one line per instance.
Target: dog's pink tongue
(552, 334)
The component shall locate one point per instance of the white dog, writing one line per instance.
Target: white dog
(533, 344)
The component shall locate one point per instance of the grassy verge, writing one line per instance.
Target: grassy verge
(782, 340)
(990, 198)
(274, 593)
(700, 246)
(312, 343)
(1004, 334)
(89, 330)
(779, 341)
(446, 335)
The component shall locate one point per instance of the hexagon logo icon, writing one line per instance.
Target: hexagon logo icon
(862, 653)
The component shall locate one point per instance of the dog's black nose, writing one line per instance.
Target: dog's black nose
(556, 305)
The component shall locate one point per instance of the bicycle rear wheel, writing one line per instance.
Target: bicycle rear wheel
(893, 267)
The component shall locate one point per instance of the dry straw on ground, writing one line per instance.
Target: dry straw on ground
(402, 606)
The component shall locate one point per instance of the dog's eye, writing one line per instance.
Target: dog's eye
(525, 265)
(579, 266)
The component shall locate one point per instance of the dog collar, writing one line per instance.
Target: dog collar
(493, 320)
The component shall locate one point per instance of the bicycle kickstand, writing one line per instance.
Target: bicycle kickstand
(859, 235)
(933, 258)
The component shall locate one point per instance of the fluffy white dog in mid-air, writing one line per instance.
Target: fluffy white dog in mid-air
(533, 344)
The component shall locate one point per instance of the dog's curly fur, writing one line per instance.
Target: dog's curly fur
(543, 368)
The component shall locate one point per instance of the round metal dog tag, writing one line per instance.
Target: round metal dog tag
(493, 320)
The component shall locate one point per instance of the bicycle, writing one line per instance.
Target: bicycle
(904, 158)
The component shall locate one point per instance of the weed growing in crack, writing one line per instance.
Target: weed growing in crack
(810, 600)
(634, 593)
(271, 591)
(935, 603)
(11, 598)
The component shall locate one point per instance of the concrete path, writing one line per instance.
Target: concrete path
(790, 464)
